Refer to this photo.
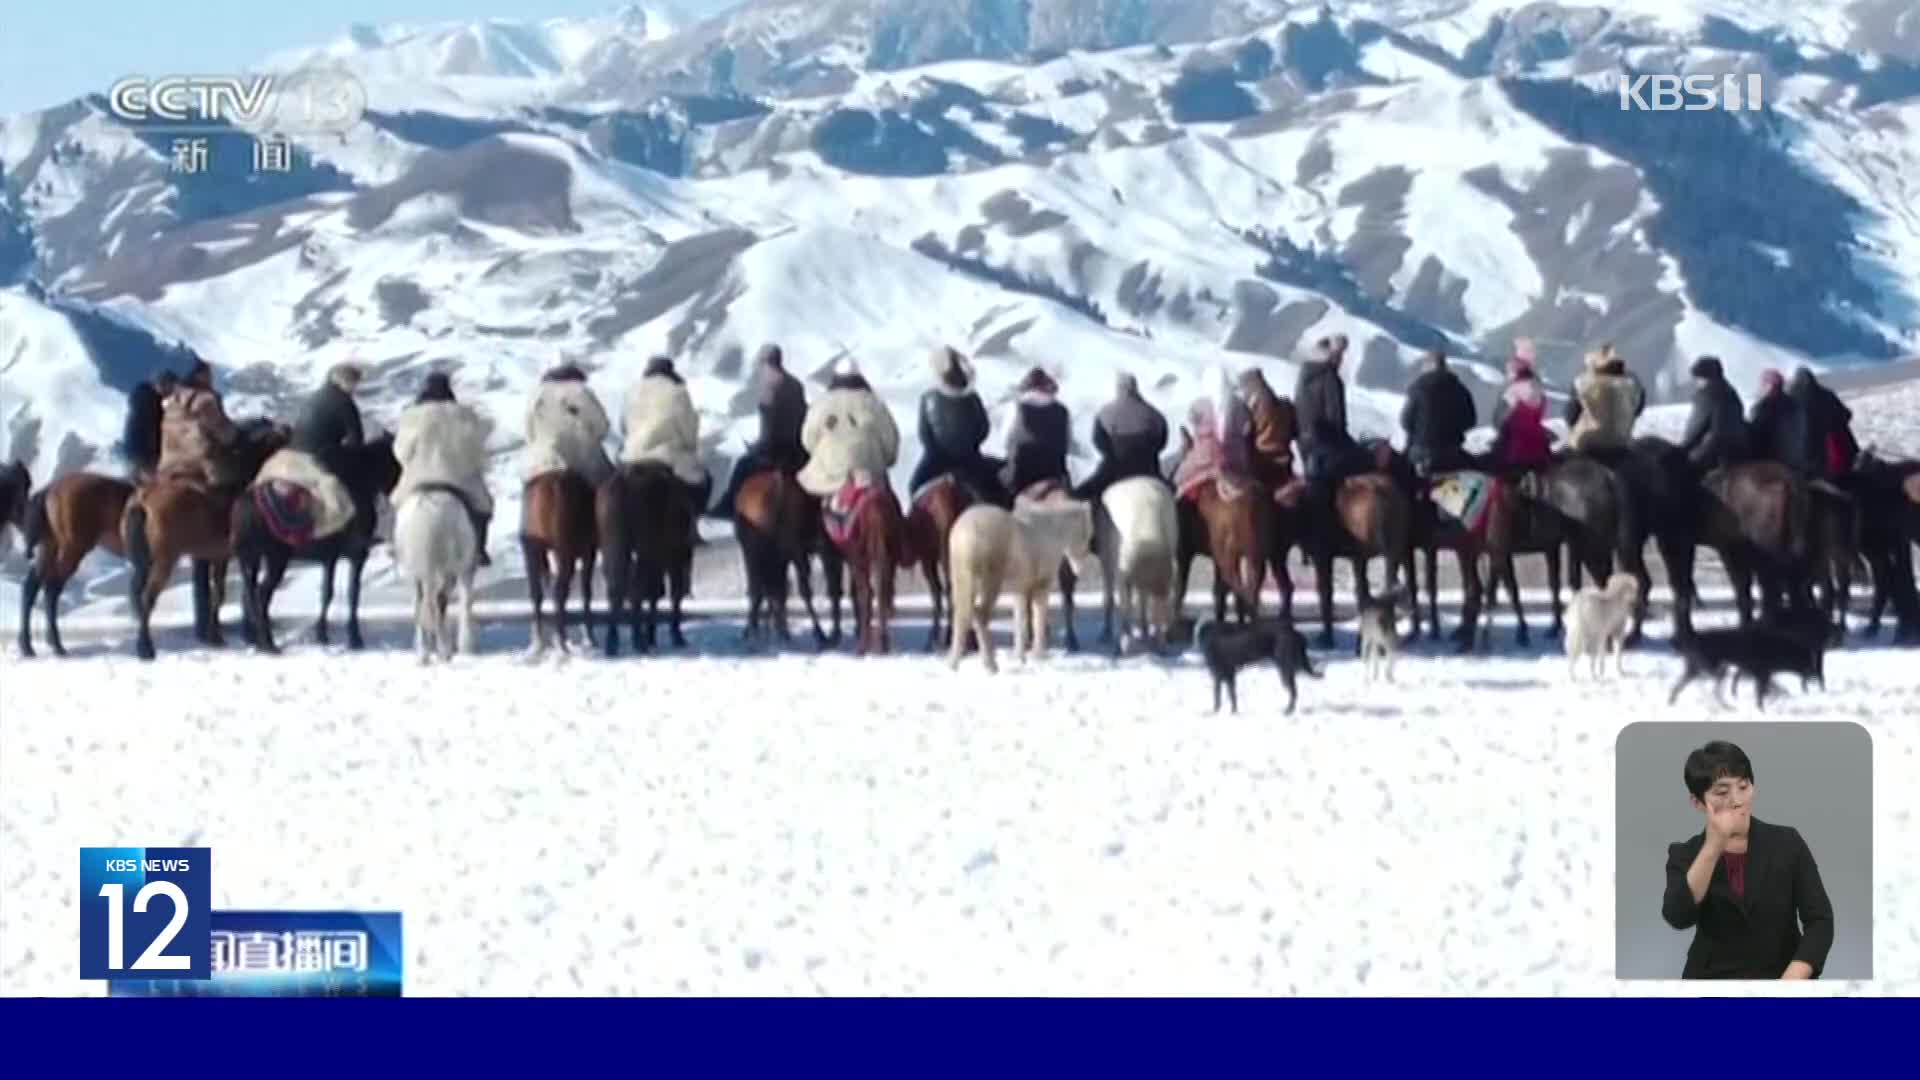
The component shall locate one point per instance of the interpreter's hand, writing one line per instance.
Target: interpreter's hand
(1799, 969)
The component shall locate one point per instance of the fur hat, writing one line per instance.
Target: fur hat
(346, 376)
(846, 365)
(568, 372)
(438, 387)
(1707, 367)
(770, 356)
(1037, 381)
(1330, 349)
(658, 365)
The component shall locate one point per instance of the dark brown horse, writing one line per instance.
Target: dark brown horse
(65, 520)
(1888, 496)
(1572, 505)
(937, 506)
(644, 517)
(869, 533)
(175, 516)
(1836, 527)
(1372, 517)
(367, 471)
(1232, 526)
(778, 526)
(559, 534)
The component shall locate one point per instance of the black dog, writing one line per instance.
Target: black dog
(1228, 647)
(1759, 652)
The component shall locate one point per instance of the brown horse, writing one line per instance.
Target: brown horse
(1889, 496)
(558, 533)
(1836, 527)
(868, 532)
(937, 506)
(777, 524)
(1232, 526)
(65, 520)
(1757, 516)
(644, 518)
(1373, 517)
(175, 516)
(1572, 504)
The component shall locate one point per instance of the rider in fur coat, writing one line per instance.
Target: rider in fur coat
(663, 428)
(567, 428)
(441, 441)
(848, 429)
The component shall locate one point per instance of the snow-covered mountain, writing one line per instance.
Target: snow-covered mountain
(1088, 184)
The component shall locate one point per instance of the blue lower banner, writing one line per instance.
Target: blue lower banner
(291, 954)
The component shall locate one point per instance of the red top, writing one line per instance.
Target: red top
(1737, 873)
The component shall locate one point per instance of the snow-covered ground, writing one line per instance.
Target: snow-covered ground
(890, 826)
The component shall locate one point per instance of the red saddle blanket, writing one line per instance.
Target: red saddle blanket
(288, 510)
(842, 509)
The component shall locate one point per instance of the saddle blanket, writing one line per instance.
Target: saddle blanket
(1466, 498)
(1228, 488)
(842, 509)
(288, 510)
(332, 504)
(945, 479)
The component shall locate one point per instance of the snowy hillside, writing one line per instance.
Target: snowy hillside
(1094, 186)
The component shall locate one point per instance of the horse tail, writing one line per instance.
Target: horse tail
(1626, 517)
(39, 524)
(133, 533)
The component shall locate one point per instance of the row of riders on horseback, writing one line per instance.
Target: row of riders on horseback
(312, 488)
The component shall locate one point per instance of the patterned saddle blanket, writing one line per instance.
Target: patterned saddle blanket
(1466, 498)
(289, 510)
(1229, 488)
(841, 510)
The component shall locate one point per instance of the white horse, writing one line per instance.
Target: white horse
(1136, 533)
(434, 545)
(989, 548)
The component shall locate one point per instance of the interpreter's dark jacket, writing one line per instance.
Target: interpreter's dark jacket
(1784, 916)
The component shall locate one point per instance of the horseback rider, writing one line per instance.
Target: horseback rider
(1832, 448)
(440, 441)
(1716, 432)
(1040, 435)
(783, 408)
(1129, 434)
(140, 439)
(1203, 455)
(848, 431)
(196, 437)
(1521, 441)
(1437, 416)
(1777, 426)
(662, 427)
(567, 428)
(1606, 401)
(953, 425)
(1328, 453)
(1273, 425)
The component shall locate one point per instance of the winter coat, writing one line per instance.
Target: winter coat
(1716, 432)
(663, 427)
(1523, 441)
(1777, 431)
(567, 429)
(1038, 441)
(329, 421)
(953, 424)
(1275, 425)
(1204, 457)
(1830, 445)
(1131, 433)
(1437, 416)
(1320, 404)
(1605, 403)
(846, 430)
(443, 442)
(782, 401)
(195, 437)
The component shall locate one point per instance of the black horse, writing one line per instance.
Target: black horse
(645, 519)
(1889, 529)
(368, 471)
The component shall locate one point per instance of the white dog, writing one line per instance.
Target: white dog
(1597, 622)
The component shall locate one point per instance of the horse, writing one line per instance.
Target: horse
(866, 528)
(1574, 504)
(644, 520)
(435, 546)
(1372, 517)
(558, 532)
(1137, 536)
(64, 521)
(777, 524)
(1054, 492)
(1756, 516)
(368, 471)
(175, 516)
(1022, 549)
(936, 506)
(1835, 528)
(1229, 521)
(16, 492)
(1888, 495)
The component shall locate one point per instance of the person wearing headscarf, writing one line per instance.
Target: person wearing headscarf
(848, 433)
(782, 404)
(438, 440)
(1129, 434)
(1777, 425)
(1040, 436)
(196, 436)
(1521, 440)
(567, 428)
(953, 425)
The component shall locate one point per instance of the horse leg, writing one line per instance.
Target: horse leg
(1068, 582)
(1742, 577)
(803, 581)
(146, 593)
(562, 590)
(29, 592)
(326, 602)
(1323, 584)
(860, 586)
(1553, 591)
(252, 613)
(1678, 555)
(536, 563)
(833, 567)
(930, 569)
(1037, 605)
(587, 563)
(467, 644)
(1433, 594)
(1521, 635)
(1473, 599)
(680, 583)
(204, 619)
(356, 566)
(888, 576)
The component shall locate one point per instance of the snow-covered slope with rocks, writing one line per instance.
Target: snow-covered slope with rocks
(1092, 185)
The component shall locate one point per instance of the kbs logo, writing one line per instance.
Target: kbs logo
(1692, 93)
(145, 913)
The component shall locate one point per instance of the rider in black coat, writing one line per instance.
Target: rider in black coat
(1129, 434)
(1041, 435)
(952, 426)
(1437, 416)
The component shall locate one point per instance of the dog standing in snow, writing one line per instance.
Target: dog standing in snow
(1380, 633)
(1597, 623)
